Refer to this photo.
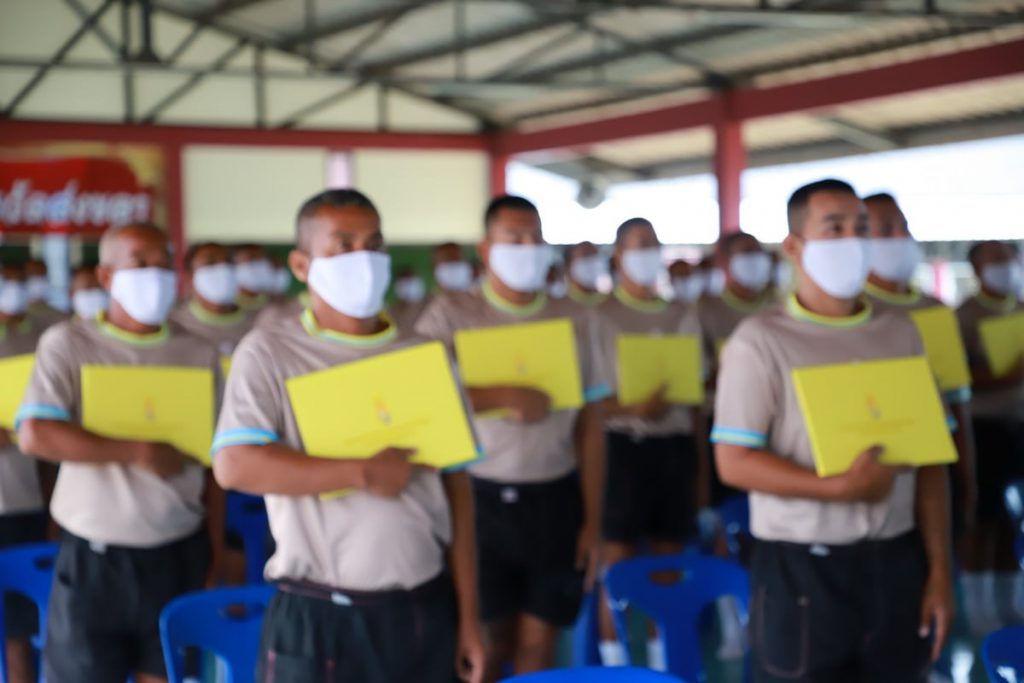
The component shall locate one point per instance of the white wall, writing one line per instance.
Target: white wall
(425, 197)
(248, 194)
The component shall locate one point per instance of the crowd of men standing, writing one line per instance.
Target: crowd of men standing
(425, 575)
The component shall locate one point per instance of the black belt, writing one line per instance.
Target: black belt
(348, 598)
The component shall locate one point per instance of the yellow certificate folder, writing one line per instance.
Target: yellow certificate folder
(649, 362)
(943, 346)
(893, 403)
(15, 373)
(404, 399)
(1003, 340)
(166, 404)
(541, 355)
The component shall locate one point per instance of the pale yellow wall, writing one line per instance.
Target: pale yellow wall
(425, 197)
(237, 194)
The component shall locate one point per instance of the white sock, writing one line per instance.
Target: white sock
(612, 653)
(656, 657)
(733, 645)
(979, 602)
(1007, 594)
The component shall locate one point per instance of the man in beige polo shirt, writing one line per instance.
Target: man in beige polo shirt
(656, 453)
(255, 275)
(998, 407)
(364, 594)
(22, 511)
(132, 512)
(538, 490)
(585, 268)
(851, 574)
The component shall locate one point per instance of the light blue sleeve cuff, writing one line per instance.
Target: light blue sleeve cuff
(241, 437)
(480, 455)
(40, 411)
(958, 396)
(598, 393)
(738, 437)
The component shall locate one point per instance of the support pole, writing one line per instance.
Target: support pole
(499, 166)
(729, 162)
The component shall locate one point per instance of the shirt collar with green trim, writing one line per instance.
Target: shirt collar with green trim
(154, 339)
(496, 300)
(797, 311)
(656, 305)
(742, 305)
(585, 298)
(997, 305)
(895, 298)
(218, 319)
(385, 336)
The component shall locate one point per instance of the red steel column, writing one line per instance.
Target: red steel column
(729, 162)
(499, 167)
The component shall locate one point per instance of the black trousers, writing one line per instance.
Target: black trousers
(839, 614)
(386, 637)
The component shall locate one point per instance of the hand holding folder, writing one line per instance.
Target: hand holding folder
(405, 399)
(540, 355)
(647, 363)
(173, 405)
(849, 408)
(15, 373)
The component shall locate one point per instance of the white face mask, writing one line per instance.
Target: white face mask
(840, 267)
(13, 297)
(217, 283)
(354, 283)
(643, 266)
(558, 289)
(688, 289)
(753, 270)
(38, 288)
(1002, 278)
(714, 282)
(895, 259)
(587, 271)
(282, 281)
(454, 276)
(410, 290)
(145, 294)
(255, 276)
(522, 267)
(89, 303)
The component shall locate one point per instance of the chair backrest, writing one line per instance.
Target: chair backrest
(28, 570)
(674, 590)
(226, 622)
(616, 674)
(1003, 655)
(247, 516)
(585, 636)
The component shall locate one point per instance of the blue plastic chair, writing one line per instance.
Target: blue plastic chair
(225, 622)
(247, 516)
(735, 515)
(28, 570)
(617, 674)
(1003, 655)
(585, 634)
(675, 607)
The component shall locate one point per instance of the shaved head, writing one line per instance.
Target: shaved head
(114, 239)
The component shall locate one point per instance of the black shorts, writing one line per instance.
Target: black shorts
(386, 637)
(650, 488)
(21, 618)
(103, 618)
(999, 447)
(526, 542)
(839, 614)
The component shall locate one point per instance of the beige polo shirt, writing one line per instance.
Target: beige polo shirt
(622, 314)
(110, 503)
(359, 541)
(287, 309)
(720, 316)
(19, 478)
(406, 314)
(584, 298)
(514, 452)
(44, 315)
(224, 331)
(997, 403)
(757, 407)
